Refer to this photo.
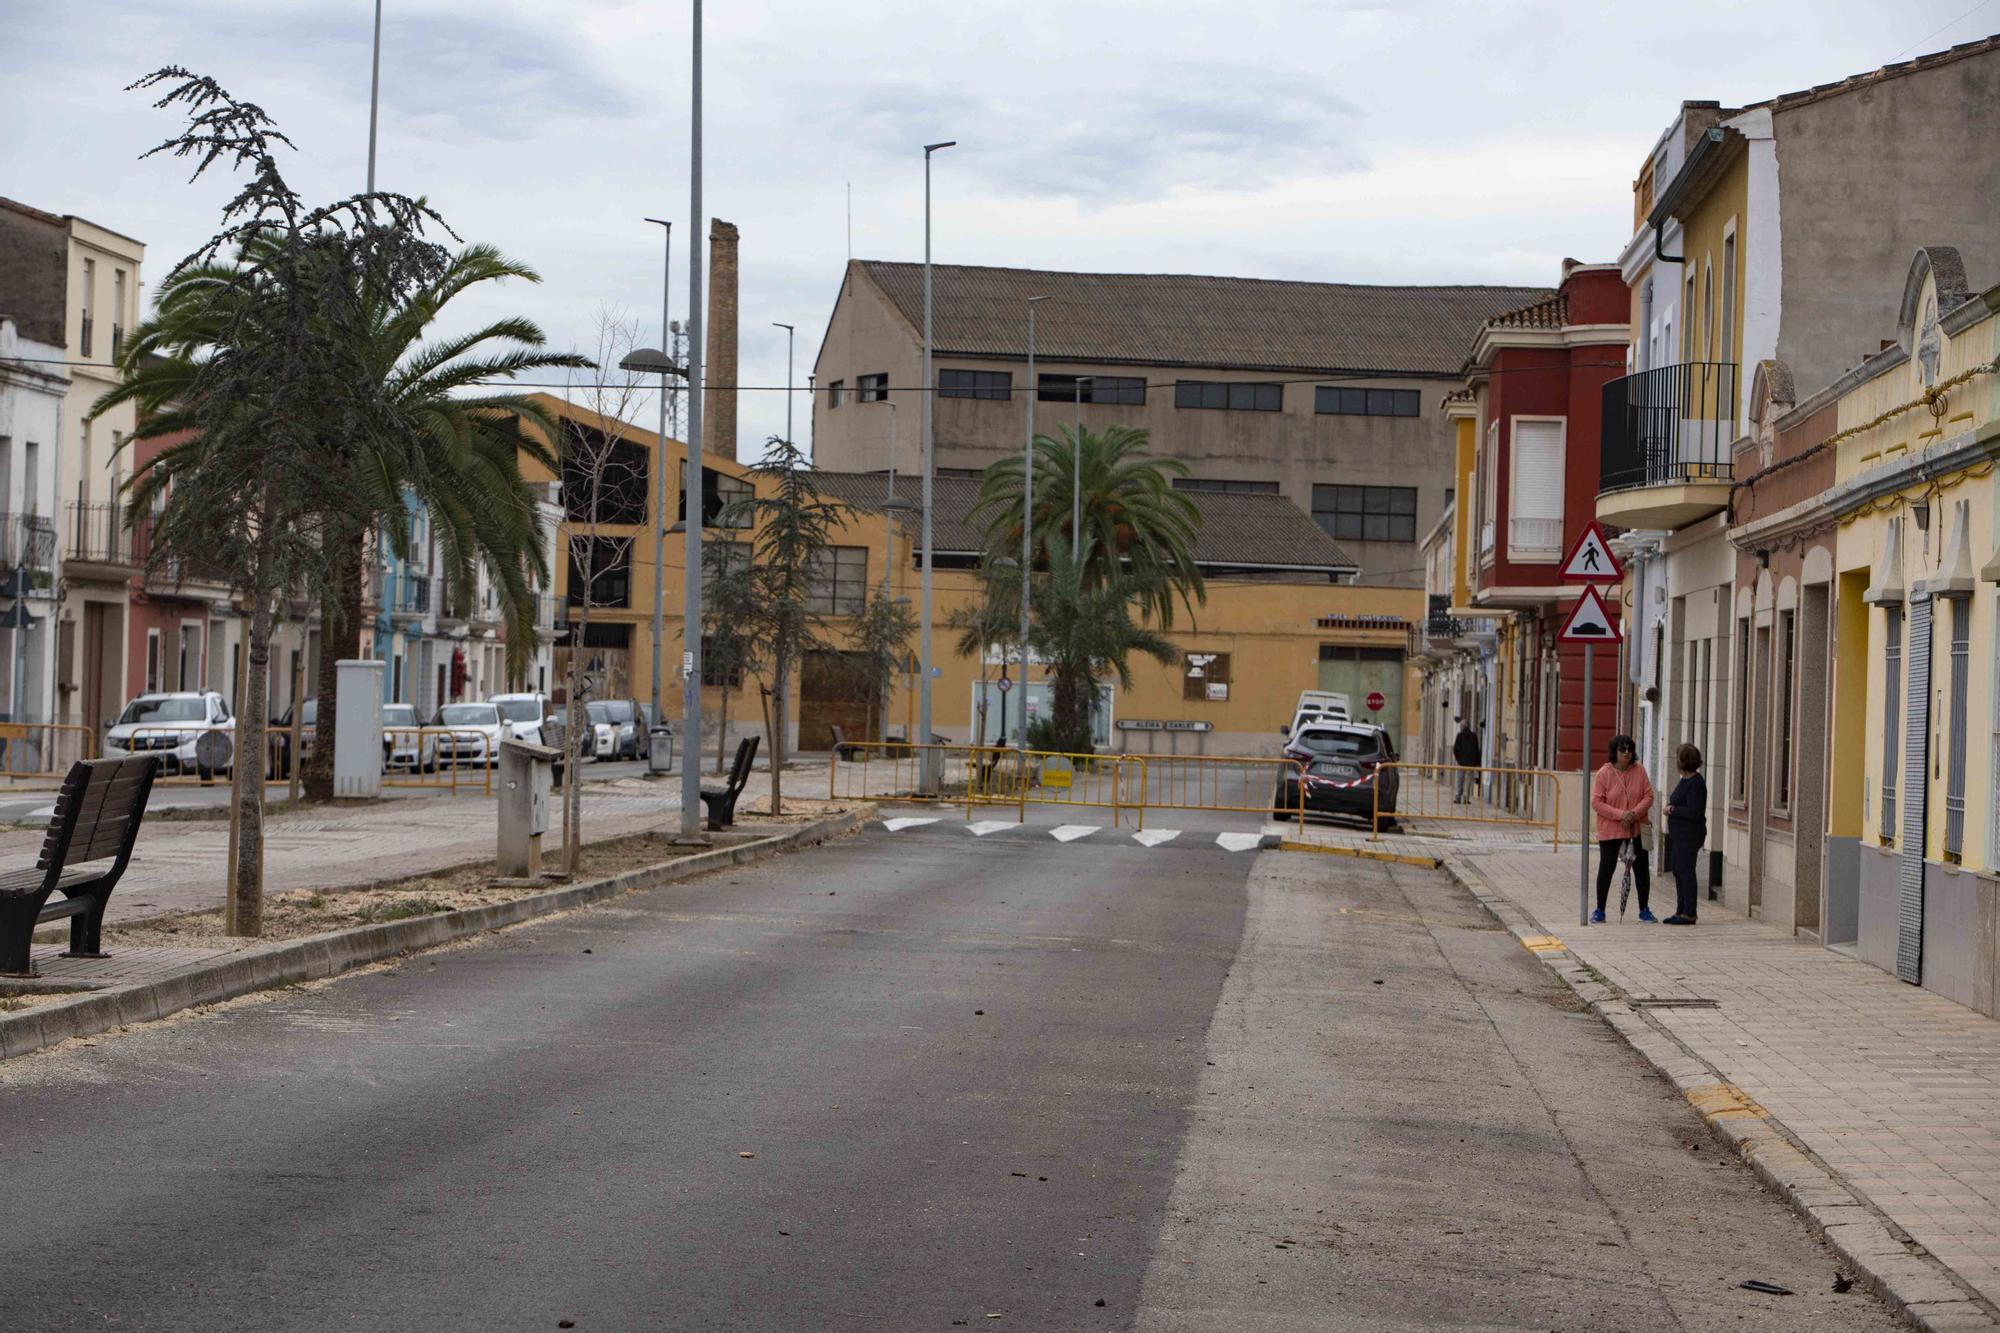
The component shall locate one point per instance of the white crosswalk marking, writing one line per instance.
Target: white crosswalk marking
(1153, 837)
(1071, 832)
(907, 821)
(1237, 842)
(986, 826)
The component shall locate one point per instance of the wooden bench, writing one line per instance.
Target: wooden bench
(97, 817)
(721, 803)
(844, 748)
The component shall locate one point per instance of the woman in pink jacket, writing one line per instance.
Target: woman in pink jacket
(1621, 795)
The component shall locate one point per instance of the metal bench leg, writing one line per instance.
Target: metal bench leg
(17, 934)
(85, 930)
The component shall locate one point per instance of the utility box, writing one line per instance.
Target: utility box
(357, 738)
(526, 774)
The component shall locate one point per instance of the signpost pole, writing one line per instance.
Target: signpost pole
(1583, 843)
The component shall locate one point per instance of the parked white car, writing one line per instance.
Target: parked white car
(171, 725)
(404, 750)
(616, 730)
(478, 729)
(525, 712)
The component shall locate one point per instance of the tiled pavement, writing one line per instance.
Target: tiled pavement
(1893, 1088)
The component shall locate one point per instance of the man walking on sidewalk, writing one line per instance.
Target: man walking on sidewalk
(1465, 751)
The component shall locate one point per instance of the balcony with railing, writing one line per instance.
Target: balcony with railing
(1534, 538)
(409, 594)
(96, 541)
(177, 575)
(1667, 437)
(28, 543)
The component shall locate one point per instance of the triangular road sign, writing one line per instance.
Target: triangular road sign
(1590, 621)
(1590, 559)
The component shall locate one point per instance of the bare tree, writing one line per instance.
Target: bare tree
(605, 475)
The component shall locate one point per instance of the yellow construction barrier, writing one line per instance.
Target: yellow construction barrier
(41, 752)
(430, 757)
(978, 775)
(1450, 793)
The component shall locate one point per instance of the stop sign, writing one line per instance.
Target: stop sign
(1375, 702)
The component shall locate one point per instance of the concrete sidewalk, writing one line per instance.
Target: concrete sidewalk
(1891, 1088)
(178, 866)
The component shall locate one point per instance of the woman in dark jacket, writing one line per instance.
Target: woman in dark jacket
(1687, 830)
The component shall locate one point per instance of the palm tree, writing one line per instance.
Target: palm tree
(1084, 631)
(429, 434)
(1137, 529)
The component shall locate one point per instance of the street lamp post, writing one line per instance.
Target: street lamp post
(788, 379)
(660, 476)
(691, 482)
(931, 771)
(1076, 475)
(374, 94)
(1027, 525)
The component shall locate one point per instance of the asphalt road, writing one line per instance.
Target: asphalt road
(999, 1075)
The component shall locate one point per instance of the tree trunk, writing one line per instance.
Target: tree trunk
(782, 684)
(575, 729)
(721, 736)
(247, 899)
(339, 637)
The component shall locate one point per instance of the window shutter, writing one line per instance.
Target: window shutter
(1536, 504)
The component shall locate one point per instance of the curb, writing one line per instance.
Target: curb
(1364, 853)
(334, 952)
(1905, 1275)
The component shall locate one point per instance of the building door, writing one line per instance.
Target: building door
(1361, 672)
(831, 694)
(1916, 791)
(1809, 765)
(1760, 746)
(103, 676)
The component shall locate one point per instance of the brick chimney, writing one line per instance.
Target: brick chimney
(719, 411)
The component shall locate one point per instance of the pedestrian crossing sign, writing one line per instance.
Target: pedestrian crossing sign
(1590, 621)
(1590, 559)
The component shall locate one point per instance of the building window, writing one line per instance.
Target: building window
(1708, 313)
(1225, 486)
(1205, 677)
(1535, 498)
(152, 660)
(1739, 757)
(1728, 331)
(713, 678)
(1221, 395)
(1892, 717)
(874, 388)
(996, 385)
(610, 472)
(1954, 773)
(1788, 650)
(1367, 513)
(89, 303)
(1337, 402)
(836, 393)
(1687, 321)
(840, 581)
(1489, 490)
(610, 560)
(1120, 390)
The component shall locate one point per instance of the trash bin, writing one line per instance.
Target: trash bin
(659, 749)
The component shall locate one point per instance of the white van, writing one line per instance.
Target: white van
(1319, 706)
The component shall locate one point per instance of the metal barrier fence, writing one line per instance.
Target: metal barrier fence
(43, 751)
(986, 775)
(1422, 794)
(431, 757)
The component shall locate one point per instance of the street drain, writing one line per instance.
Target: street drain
(1672, 1002)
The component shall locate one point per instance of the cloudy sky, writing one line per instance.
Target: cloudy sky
(1351, 140)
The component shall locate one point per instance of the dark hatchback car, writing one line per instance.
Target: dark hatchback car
(1343, 768)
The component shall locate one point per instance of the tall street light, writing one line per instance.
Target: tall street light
(1027, 525)
(931, 771)
(788, 379)
(660, 474)
(691, 484)
(374, 94)
(1076, 475)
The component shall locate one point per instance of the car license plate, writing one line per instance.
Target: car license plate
(1343, 771)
